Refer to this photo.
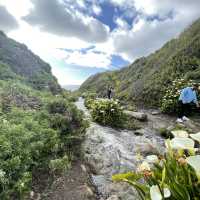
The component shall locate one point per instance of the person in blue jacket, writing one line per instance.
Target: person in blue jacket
(188, 95)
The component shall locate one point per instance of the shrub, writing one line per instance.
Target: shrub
(60, 165)
(169, 102)
(57, 106)
(176, 175)
(107, 112)
(32, 139)
(89, 98)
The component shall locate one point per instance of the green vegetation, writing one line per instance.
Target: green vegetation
(169, 103)
(176, 175)
(29, 68)
(145, 81)
(38, 131)
(40, 128)
(107, 112)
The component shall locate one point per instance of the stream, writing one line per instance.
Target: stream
(108, 151)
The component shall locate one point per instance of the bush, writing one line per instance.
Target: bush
(176, 175)
(169, 103)
(107, 112)
(57, 106)
(89, 98)
(32, 139)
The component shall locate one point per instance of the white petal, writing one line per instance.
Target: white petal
(182, 143)
(194, 161)
(152, 158)
(167, 193)
(143, 167)
(196, 136)
(180, 133)
(155, 193)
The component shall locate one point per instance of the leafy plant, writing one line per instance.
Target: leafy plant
(169, 103)
(107, 112)
(174, 176)
(31, 138)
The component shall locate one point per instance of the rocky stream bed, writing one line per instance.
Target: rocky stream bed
(108, 151)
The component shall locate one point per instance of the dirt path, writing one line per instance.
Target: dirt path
(74, 185)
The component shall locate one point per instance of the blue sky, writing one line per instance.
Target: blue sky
(82, 37)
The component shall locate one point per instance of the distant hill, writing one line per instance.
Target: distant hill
(71, 87)
(144, 81)
(18, 60)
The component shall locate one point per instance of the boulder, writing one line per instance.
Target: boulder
(137, 115)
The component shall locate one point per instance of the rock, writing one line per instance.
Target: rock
(137, 115)
(170, 128)
(146, 146)
(191, 125)
(141, 132)
(113, 197)
(108, 151)
(155, 112)
(83, 168)
(89, 192)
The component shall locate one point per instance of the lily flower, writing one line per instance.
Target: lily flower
(144, 167)
(156, 195)
(196, 137)
(152, 159)
(194, 161)
(180, 133)
(180, 143)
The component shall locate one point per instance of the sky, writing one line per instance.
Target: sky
(82, 37)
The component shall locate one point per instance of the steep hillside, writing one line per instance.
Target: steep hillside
(40, 132)
(144, 81)
(22, 62)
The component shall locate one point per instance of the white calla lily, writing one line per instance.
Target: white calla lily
(144, 167)
(152, 159)
(196, 137)
(155, 193)
(167, 193)
(194, 161)
(181, 143)
(180, 133)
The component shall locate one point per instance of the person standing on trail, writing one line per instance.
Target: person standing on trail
(109, 92)
(187, 97)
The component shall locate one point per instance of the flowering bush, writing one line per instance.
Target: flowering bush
(89, 98)
(169, 103)
(107, 112)
(176, 175)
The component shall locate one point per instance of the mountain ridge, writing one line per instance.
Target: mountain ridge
(24, 63)
(145, 80)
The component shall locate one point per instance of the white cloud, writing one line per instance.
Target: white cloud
(121, 23)
(52, 16)
(88, 59)
(8, 22)
(47, 31)
(146, 35)
(96, 9)
(18, 9)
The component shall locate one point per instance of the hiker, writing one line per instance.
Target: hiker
(187, 97)
(109, 92)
